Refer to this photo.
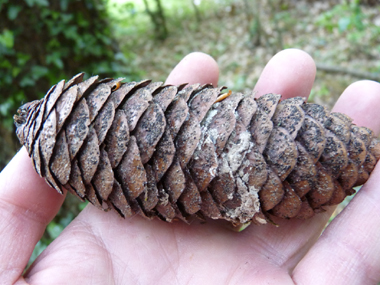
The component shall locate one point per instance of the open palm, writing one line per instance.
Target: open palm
(102, 248)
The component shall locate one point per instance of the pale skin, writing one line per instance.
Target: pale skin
(102, 248)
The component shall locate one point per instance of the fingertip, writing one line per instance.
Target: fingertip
(196, 67)
(361, 101)
(290, 72)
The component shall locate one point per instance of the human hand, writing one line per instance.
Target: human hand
(102, 248)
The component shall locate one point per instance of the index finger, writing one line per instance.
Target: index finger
(290, 72)
(202, 68)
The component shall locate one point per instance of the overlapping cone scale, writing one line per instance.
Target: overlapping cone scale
(172, 152)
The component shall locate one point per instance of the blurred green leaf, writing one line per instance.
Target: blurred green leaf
(26, 81)
(5, 107)
(55, 58)
(6, 38)
(13, 11)
(54, 229)
(15, 71)
(22, 58)
(81, 21)
(64, 4)
(67, 220)
(31, 3)
(71, 32)
(66, 18)
(38, 71)
(343, 24)
(4, 63)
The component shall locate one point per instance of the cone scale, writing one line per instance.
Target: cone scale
(177, 152)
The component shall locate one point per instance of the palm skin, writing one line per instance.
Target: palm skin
(102, 248)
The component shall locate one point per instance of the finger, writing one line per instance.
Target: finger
(27, 204)
(353, 103)
(196, 67)
(290, 73)
(348, 252)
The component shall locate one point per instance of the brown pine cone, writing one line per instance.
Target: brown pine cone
(183, 151)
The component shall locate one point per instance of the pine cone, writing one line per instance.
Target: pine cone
(175, 152)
